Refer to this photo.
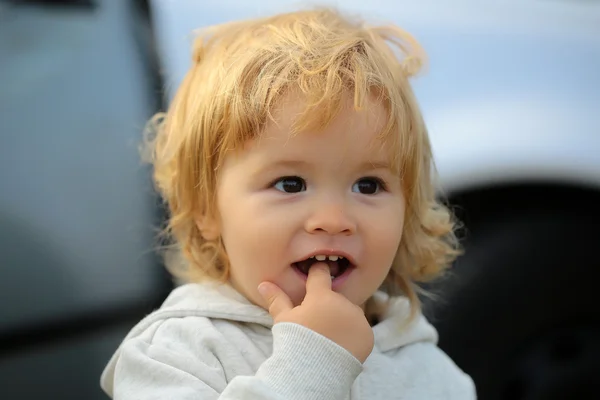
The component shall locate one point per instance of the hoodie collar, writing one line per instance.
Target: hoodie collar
(395, 329)
(215, 300)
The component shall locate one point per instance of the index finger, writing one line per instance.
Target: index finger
(319, 278)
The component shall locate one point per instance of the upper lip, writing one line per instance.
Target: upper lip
(328, 252)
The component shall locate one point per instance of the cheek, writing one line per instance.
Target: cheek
(386, 237)
(256, 243)
(387, 226)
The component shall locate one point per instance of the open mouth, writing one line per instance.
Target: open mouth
(337, 264)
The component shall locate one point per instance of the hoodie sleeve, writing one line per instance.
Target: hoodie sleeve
(169, 362)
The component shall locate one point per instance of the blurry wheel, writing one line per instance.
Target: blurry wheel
(520, 313)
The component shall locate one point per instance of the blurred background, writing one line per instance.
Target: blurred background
(511, 98)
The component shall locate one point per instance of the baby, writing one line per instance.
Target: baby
(298, 174)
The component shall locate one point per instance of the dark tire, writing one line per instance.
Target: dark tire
(520, 312)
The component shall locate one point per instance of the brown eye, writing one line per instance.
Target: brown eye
(368, 186)
(290, 184)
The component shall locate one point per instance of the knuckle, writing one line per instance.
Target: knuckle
(272, 298)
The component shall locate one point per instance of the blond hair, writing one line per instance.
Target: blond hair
(240, 72)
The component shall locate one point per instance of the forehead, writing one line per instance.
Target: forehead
(357, 132)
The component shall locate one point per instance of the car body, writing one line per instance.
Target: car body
(510, 93)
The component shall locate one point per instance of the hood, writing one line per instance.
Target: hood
(219, 301)
(395, 330)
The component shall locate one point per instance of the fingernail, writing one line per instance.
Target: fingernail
(263, 289)
(323, 267)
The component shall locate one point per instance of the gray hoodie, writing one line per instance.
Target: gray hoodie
(208, 342)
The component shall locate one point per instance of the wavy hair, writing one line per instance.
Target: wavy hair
(240, 71)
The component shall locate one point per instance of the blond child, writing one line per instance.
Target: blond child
(297, 170)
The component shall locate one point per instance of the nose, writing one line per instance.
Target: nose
(330, 218)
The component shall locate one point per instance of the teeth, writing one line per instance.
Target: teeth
(332, 277)
(322, 257)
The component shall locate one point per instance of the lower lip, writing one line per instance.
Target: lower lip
(336, 283)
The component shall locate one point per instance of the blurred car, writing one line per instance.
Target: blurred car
(511, 98)
(78, 215)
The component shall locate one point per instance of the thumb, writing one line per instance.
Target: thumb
(277, 300)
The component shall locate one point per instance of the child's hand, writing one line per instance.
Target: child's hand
(323, 311)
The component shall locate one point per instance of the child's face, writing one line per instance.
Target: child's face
(332, 202)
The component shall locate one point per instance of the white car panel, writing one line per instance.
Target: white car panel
(511, 93)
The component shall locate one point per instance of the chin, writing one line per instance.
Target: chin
(355, 298)
(297, 298)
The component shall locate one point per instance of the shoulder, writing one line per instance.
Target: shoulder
(194, 337)
(163, 349)
(180, 342)
(183, 334)
(434, 369)
(198, 320)
(196, 313)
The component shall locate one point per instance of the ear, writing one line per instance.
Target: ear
(209, 227)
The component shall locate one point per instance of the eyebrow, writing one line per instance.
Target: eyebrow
(367, 165)
(289, 163)
(293, 164)
(376, 165)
